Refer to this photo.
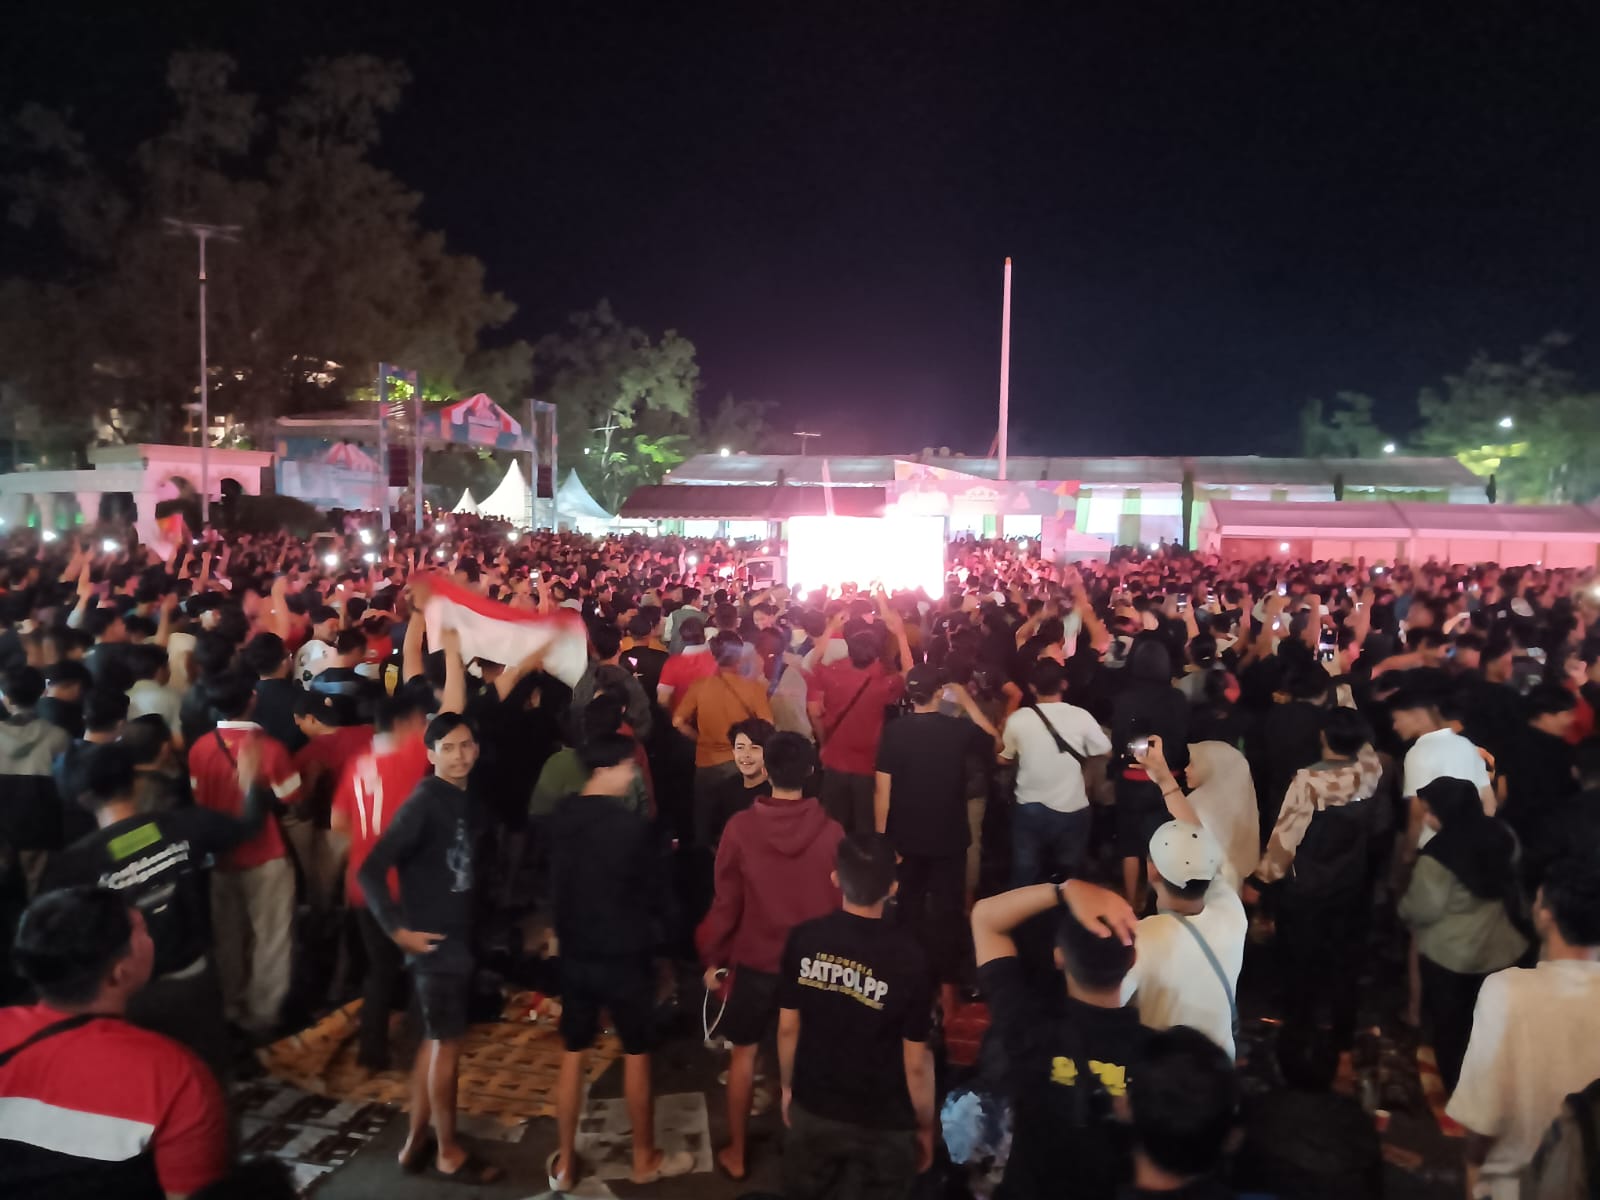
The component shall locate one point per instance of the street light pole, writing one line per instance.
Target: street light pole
(203, 233)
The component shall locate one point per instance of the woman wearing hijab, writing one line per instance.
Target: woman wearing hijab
(1458, 905)
(1224, 798)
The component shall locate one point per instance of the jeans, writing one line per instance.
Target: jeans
(1046, 844)
(823, 1158)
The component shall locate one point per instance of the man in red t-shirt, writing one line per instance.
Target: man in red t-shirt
(331, 745)
(845, 701)
(681, 670)
(370, 791)
(91, 1105)
(252, 887)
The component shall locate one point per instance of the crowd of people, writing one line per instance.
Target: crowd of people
(242, 784)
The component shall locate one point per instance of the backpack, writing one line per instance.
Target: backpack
(1567, 1165)
(1331, 859)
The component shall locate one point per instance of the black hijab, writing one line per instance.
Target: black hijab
(1474, 847)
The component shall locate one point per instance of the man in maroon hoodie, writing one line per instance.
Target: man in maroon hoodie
(774, 870)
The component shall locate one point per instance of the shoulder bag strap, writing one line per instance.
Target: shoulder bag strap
(839, 720)
(222, 744)
(1062, 745)
(1216, 966)
(748, 711)
(67, 1025)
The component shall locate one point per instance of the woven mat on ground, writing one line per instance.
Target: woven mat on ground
(508, 1067)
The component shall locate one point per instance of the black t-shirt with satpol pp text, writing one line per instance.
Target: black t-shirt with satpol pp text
(862, 988)
(1067, 1072)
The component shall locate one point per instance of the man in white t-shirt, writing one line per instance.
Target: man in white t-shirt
(1050, 823)
(1437, 752)
(316, 655)
(1190, 952)
(1535, 1033)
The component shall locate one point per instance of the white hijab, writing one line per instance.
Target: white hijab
(1224, 799)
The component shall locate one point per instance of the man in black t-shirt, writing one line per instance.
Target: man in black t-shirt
(1069, 1064)
(158, 862)
(1183, 1107)
(854, 1012)
(921, 804)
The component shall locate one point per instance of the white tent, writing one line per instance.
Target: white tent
(509, 501)
(466, 504)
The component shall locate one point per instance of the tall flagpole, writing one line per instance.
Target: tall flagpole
(1005, 369)
(1005, 384)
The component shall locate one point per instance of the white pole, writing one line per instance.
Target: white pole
(1005, 369)
(1005, 391)
(205, 393)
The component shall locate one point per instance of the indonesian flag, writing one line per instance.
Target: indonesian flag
(492, 631)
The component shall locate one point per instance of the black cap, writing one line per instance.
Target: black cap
(923, 683)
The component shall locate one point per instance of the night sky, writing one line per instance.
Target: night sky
(1215, 209)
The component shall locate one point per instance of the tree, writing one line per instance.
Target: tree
(331, 273)
(1343, 430)
(742, 427)
(1527, 423)
(626, 403)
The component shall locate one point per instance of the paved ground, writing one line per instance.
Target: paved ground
(684, 1066)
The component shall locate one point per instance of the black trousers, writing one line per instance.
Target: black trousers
(1320, 940)
(931, 903)
(380, 987)
(823, 1159)
(1449, 998)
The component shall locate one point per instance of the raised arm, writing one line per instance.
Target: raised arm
(1098, 909)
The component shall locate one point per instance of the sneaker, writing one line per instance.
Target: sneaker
(678, 1162)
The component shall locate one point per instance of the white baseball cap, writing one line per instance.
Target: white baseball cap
(1185, 853)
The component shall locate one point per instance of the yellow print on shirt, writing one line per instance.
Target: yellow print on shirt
(1112, 1077)
(830, 973)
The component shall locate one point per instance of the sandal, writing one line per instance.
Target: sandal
(672, 1165)
(473, 1170)
(555, 1180)
(421, 1156)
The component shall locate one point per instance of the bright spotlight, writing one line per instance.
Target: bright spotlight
(366, 537)
(1506, 422)
(1388, 447)
(438, 526)
(1284, 546)
(49, 535)
(330, 560)
(369, 557)
(724, 452)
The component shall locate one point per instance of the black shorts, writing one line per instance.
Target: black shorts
(752, 1007)
(625, 987)
(441, 1000)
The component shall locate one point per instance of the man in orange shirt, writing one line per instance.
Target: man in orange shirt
(710, 709)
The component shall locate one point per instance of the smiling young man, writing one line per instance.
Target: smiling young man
(433, 845)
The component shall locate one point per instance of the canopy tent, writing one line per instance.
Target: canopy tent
(351, 457)
(466, 504)
(508, 501)
(511, 501)
(1511, 535)
(577, 503)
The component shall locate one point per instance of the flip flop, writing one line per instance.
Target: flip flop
(421, 1156)
(474, 1171)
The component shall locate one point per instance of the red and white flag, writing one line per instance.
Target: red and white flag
(491, 631)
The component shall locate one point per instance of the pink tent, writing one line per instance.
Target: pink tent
(351, 457)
